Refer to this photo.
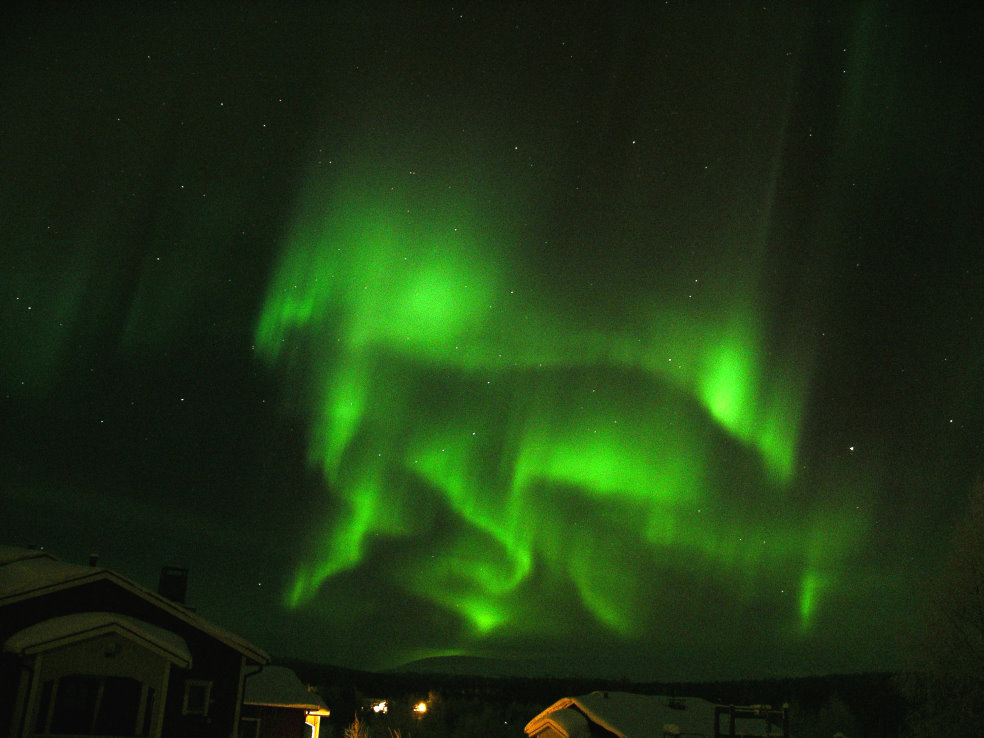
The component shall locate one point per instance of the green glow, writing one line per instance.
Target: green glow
(727, 384)
(833, 533)
(441, 388)
(466, 582)
(733, 391)
(340, 552)
(342, 412)
(809, 595)
(564, 327)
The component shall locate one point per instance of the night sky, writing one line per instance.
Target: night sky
(639, 340)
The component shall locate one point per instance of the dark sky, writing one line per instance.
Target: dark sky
(615, 339)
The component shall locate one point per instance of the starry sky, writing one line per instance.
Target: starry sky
(620, 339)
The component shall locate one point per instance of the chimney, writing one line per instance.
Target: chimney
(93, 559)
(173, 583)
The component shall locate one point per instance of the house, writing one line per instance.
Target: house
(626, 715)
(85, 650)
(278, 705)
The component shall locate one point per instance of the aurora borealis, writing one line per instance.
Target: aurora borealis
(636, 340)
(438, 379)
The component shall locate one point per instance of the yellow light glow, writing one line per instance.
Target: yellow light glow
(420, 708)
(314, 720)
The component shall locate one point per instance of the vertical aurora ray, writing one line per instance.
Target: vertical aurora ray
(763, 414)
(810, 589)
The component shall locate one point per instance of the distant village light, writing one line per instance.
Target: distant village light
(420, 708)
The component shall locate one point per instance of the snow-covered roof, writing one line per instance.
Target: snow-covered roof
(67, 629)
(280, 687)
(24, 570)
(635, 715)
(9, 554)
(566, 722)
(26, 573)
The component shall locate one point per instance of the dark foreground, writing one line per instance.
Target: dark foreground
(866, 705)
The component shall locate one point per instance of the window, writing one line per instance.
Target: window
(197, 695)
(249, 728)
(148, 711)
(84, 704)
(118, 707)
(44, 707)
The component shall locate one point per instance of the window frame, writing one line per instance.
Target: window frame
(255, 721)
(206, 686)
(46, 711)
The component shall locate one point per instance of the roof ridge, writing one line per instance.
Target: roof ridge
(80, 574)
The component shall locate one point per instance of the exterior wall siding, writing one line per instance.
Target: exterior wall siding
(277, 722)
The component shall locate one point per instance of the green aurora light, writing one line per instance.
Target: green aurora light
(437, 384)
(631, 342)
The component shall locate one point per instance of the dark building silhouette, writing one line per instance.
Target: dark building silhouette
(84, 650)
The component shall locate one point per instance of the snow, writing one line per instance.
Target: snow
(26, 573)
(280, 687)
(67, 629)
(636, 715)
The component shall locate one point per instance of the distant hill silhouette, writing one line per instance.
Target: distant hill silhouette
(478, 666)
(873, 698)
